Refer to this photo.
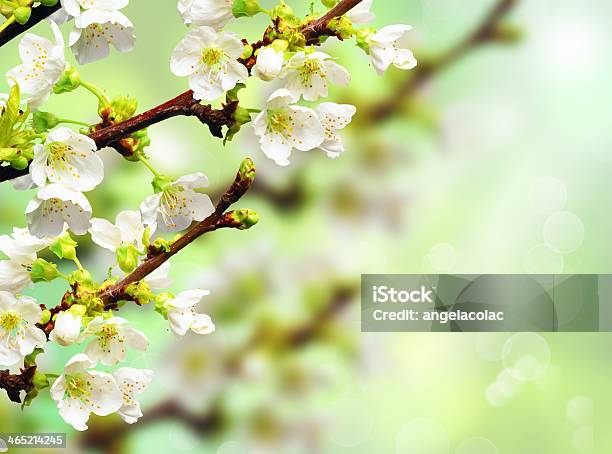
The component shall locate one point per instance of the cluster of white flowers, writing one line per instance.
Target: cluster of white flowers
(65, 165)
(80, 391)
(98, 24)
(208, 56)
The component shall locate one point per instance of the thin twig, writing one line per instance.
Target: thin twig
(219, 219)
(183, 105)
(484, 34)
(318, 28)
(39, 13)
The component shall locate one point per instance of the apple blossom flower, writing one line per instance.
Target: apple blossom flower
(76, 7)
(159, 279)
(178, 205)
(15, 274)
(69, 159)
(334, 117)
(54, 206)
(21, 249)
(96, 30)
(131, 382)
(127, 230)
(183, 317)
(284, 126)
(209, 59)
(308, 75)
(112, 337)
(43, 65)
(80, 391)
(19, 335)
(269, 63)
(213, 13)
(361, 13)
(385, 49)
(21, 243)
(67, 328)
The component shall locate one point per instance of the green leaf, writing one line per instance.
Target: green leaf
(10, 115)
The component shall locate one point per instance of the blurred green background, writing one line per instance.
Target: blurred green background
(499, 163)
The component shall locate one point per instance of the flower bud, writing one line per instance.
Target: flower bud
(329, 3)
(246, 8)
(21, 163)
(283, 10)
(69, 81)
(43, 271)
(83, 277)
(22, 14)
(49, 2)
(246, 172)
(43, 121)
(67, 329)
(45, 317)
(123, 108)
(127, 257)
(241, 219)
(64, 247)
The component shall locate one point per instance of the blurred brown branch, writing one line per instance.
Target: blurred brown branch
(487, 32)
(108, 436)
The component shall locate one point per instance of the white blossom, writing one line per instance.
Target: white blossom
(79, 391)
(112, 337)
(361, 13)
(334, 117)
(69, 159)
(54, 206)
(76, 7)
(183, 317)
(96, 30)
(21, 249)
(127, 230)
(19, 335)
(385, 48)
(209, 59)
(308, 75)
(159, 279)
(213, 13)
(66, 329)
(178, 205)
(43, 65)
(131, 382)
(269, 63)
(284, 126)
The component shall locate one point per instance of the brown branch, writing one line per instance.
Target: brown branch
(14, 384)
(218, 220)
(318, 27)
(39, 13)
(485, 33)
(182, 105)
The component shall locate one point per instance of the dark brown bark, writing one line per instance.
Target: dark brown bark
(38, 14)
